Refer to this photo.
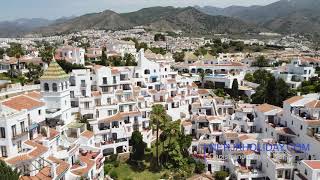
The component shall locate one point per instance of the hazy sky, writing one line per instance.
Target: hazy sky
(52, 9)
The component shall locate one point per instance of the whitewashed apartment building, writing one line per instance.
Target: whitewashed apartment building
(295, 128)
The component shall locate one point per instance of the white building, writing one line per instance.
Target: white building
(294, 73)
(70, 54)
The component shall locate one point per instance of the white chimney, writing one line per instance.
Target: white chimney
(53, 170)
(48, 132)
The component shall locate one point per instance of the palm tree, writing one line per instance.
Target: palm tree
(47, 54)
(157, 117)
(202, 75)
(7, 172)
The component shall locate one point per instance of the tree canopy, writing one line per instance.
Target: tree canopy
(15, 50)
(178, 56)
(261, 61)
(138, 146)
(6, 172)
(235, 89)
(47, 53)
(272, 91)
(159, 37)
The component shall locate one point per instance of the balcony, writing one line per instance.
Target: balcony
(20, 136)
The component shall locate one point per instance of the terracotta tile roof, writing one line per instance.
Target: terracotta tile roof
(186, 123)
(62, 167)
(169, 100)
(87, 134)
(314, 164)
(313, 104)
(204, 130)
(194, 85)
(119, 116)
(53, 133)
(171, 81)
(43, 174)
(132, 113)
(267, 107)
(293, 99)
(39, 149)
(231, 135)
(36, 152)
(312, 122)
(152, 91)
(284, 131)
(243, 137)
(115, 71)
(308, 59)
(96, 66)
(34, 94)
(203, 91)
(86, 168)
(213, 118)
(22, 102)
(96, 93)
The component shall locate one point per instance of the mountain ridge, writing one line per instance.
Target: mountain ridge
(284, 16)
(188, 19)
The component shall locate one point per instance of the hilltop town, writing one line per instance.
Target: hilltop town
(140, 104)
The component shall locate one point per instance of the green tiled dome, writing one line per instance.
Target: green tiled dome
(53, 72)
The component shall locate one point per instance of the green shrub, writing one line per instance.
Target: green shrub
(199, 167)
(221, 175)
(113, 157)
(114, 175)
(107, 168)
(116, 163)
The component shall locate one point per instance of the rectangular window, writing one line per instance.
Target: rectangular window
(39, 112)
(86, 105)
(121, 108)
(105, 80)
(19, 146)
(14, 130)
(97, 114)
(83, 83)
(2, 132)
(110, 112)
(22, 126)
(83, 93)
(114, 80)
(4, 151)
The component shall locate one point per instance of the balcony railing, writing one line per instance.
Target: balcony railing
(21, 135)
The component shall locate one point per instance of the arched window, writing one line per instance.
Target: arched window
(54, 87)
(46, 87)
(62, 86)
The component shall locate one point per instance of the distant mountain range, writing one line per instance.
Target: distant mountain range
(284, 16)
(189, 20)
(22, 26)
